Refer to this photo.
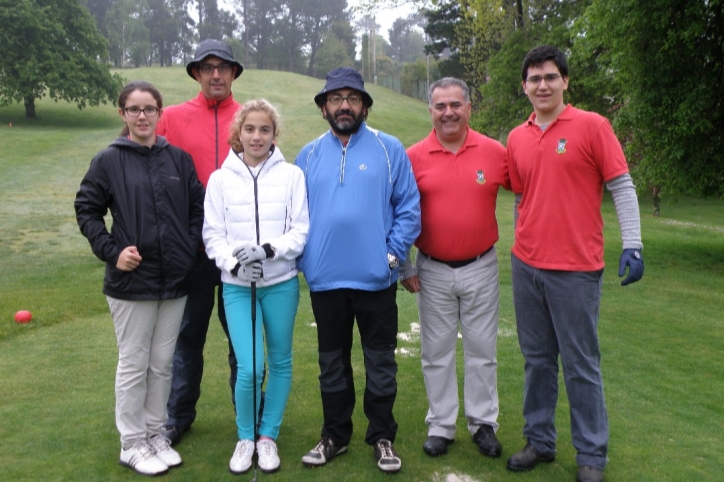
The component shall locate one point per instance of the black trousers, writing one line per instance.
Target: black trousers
(335, 312)
(188, 360)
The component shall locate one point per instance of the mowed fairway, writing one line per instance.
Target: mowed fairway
(661, 338)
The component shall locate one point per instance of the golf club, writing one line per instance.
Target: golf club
(253, 364)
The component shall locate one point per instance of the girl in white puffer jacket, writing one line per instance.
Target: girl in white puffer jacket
(256, 222)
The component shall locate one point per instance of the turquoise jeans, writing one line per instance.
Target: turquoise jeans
(276, 308)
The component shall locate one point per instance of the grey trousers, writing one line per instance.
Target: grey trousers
(557, 315)
(146, 333)
(468, 295)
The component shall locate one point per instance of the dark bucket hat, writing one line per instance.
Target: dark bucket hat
(217, 48)
(343, 78)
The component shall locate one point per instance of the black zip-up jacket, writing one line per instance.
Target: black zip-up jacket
(157, 205)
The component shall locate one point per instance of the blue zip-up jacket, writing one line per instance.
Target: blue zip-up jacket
(363, 204)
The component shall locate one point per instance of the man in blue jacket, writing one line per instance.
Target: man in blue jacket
(364, 212)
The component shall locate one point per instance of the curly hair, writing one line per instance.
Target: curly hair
(256, 105)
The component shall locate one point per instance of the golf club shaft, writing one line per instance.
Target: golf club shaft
(253, 364)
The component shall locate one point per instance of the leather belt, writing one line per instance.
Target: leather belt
(461, 263)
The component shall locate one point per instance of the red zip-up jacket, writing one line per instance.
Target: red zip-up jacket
(200, 127)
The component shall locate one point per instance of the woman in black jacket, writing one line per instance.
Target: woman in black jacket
(156, 202)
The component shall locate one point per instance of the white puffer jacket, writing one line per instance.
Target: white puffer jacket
(232, 211)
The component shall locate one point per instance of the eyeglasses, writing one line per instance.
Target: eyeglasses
(536, 79)
(353, 100)
(135, 111)
(209, 68)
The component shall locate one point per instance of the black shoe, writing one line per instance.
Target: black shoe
(485, 439)
(527, 458)
(323, 452)
(386, 456)
(589, 474)
(435, 446)
(173, 433)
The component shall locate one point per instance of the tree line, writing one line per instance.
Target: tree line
(655, 68)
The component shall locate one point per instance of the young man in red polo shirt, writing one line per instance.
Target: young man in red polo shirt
(559, 161)
(458, 173)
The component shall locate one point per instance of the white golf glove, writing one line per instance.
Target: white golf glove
(250, 272)
(248, 253)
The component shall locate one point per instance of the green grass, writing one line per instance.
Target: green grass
(661, 338)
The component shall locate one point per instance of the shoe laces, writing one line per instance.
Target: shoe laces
(322, 445)
(266, 448)
(143, 449)
(245, 447)
(159, 443)
(385, 447)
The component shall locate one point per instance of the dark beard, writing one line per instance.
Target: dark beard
(346, 128)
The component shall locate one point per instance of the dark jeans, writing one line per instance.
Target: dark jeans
(188, 359)
(376, 313)
(557, 316)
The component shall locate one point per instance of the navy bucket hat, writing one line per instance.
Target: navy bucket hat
(343, 78)
(217, 48)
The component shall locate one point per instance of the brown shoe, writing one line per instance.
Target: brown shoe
(527, 458)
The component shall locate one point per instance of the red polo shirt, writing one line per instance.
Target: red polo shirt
(560, 172)
(458, 193)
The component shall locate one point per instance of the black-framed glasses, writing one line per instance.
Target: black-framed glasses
(353, 99)
(536, 79)
(135, 111)
(208, 69)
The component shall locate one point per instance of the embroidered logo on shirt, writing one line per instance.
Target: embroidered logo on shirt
(561, 149)
(481, 177)
(363, 167)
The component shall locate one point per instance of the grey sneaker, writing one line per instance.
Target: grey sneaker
(387, 459)
(323, 452)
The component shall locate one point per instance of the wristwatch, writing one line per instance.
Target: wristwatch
(392, 261)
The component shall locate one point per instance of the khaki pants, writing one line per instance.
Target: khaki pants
(465, 298)
(146, 333)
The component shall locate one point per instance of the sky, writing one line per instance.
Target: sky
(385, 17)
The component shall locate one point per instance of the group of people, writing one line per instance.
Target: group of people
(206, 210)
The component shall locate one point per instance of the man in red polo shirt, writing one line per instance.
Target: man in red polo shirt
(559, 161)
(458, 173)
(200, 127)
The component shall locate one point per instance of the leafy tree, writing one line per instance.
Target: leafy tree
(511, 32)
(415, 75)
(127, 34)
(441, 32)
(214, 22)
(52, 47)
(343, 30)
(170, 30)
(332, 53)
(406, 44)
(668, 60)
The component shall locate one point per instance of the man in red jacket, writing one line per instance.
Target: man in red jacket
(200, 126)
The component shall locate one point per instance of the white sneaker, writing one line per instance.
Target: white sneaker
(241, 460)
(266, 450)
(140, 457)
(162, 449)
